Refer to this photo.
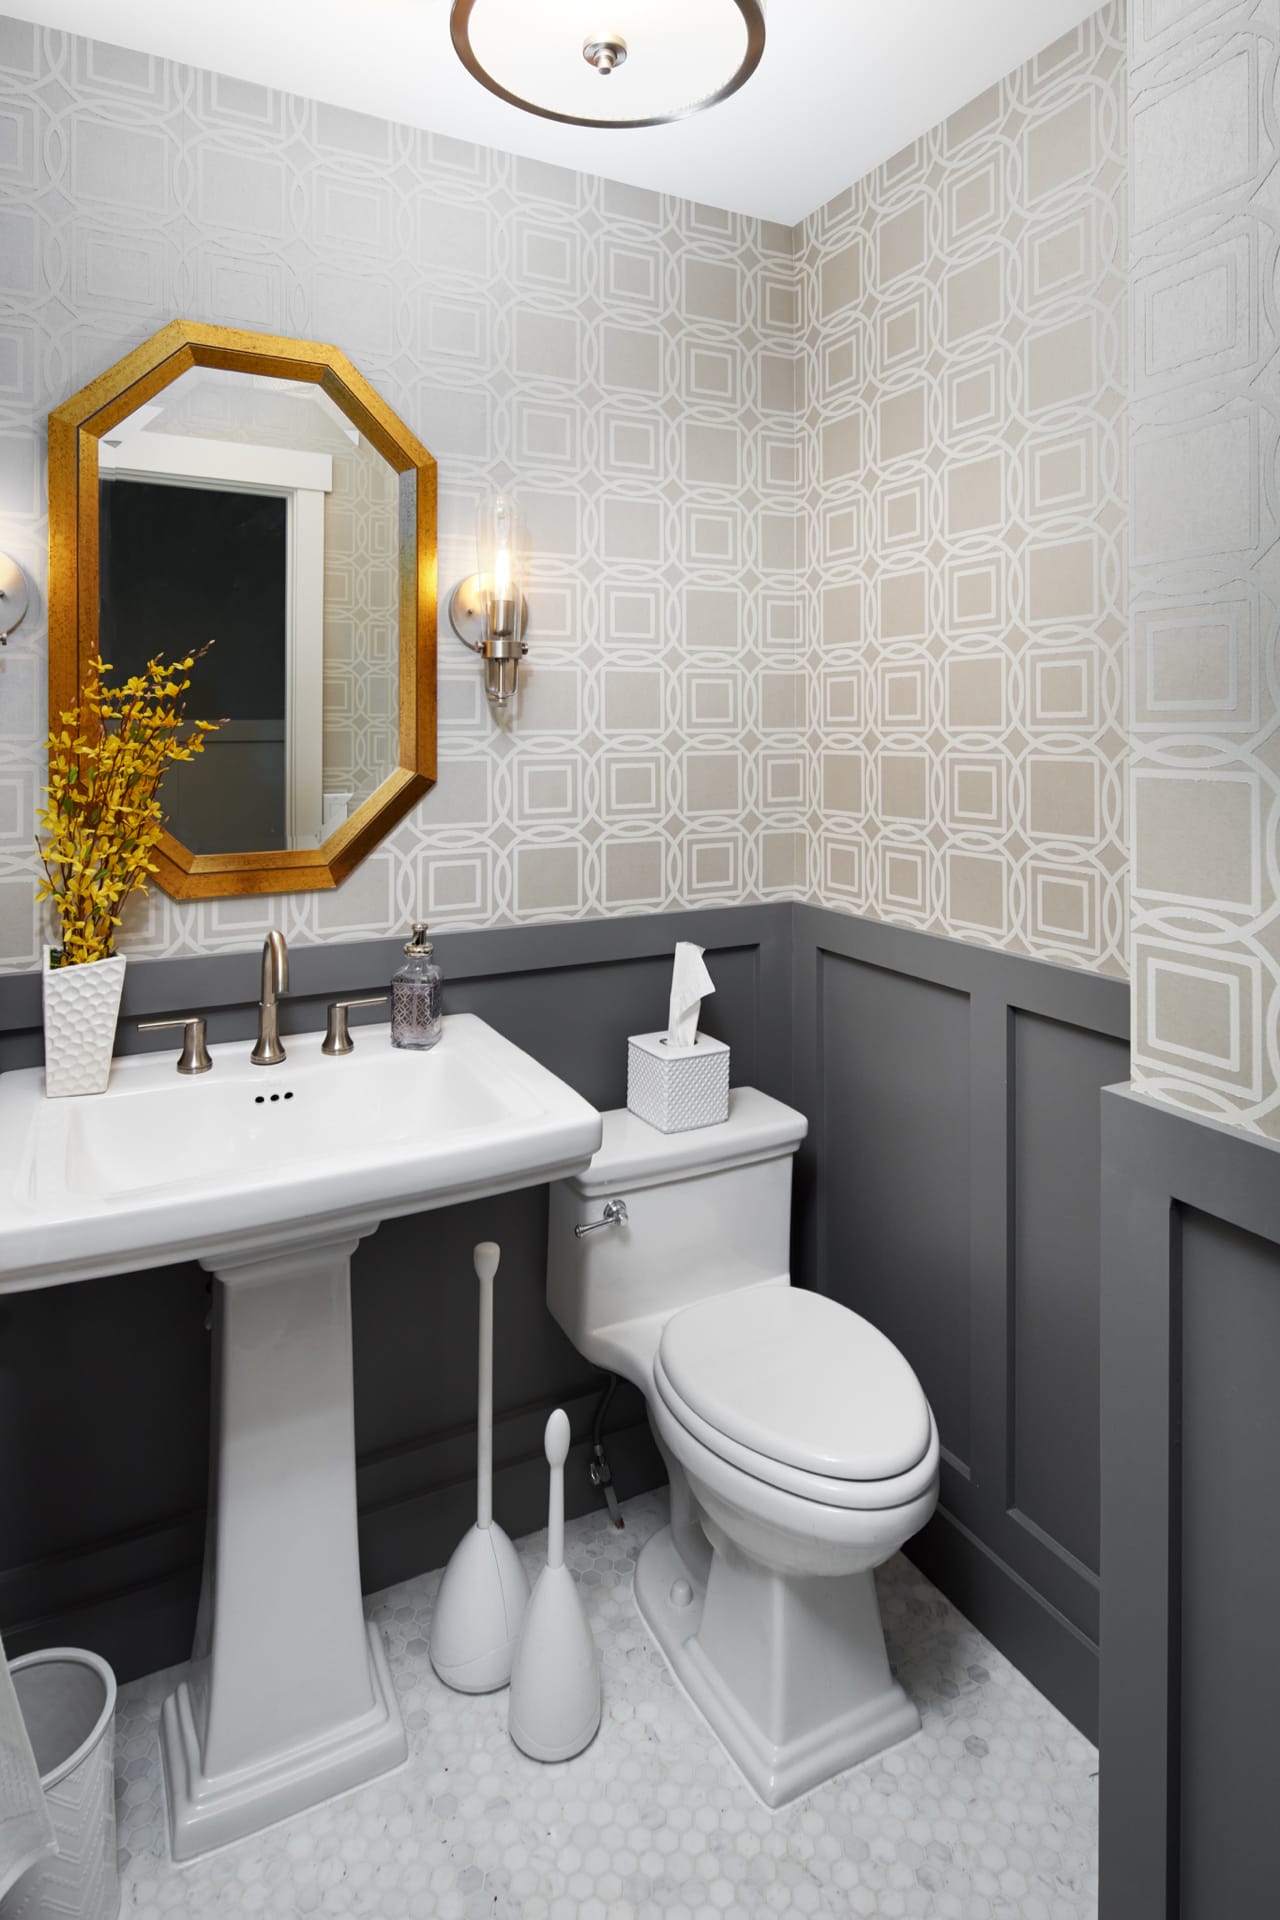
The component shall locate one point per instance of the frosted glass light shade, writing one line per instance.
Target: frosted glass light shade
(680, 55)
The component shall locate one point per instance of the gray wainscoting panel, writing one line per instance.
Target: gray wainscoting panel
(1229, 1671)
(1055, 1227)
(954, 1096)
(1190, 1539)
(895, 1172)
(104, 1391)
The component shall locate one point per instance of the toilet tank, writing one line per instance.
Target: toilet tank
(708, 1211)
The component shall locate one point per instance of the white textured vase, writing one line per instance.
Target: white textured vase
(81, 1005)
(68, 1701)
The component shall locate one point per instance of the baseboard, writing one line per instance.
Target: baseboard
(1042, 1644)
(404, 1536)
(134, 1599)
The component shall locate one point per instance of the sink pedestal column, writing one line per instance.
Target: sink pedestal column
(288, 1700)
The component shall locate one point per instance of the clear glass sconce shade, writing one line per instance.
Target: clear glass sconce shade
(487, 610)
(497, 552)
(610, 63)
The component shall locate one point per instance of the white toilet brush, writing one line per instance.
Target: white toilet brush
(555, 1682)
(485, 1589)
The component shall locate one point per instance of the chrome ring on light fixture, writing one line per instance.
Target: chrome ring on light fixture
(606, 56)
(585, 35)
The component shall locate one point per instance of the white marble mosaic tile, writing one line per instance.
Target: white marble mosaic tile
(989, 1813)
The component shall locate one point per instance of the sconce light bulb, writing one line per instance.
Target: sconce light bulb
(488, 610)
(497, 545)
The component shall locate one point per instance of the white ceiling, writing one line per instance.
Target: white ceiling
(842, 85)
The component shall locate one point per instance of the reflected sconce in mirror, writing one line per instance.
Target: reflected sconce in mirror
(14, 597)
(487, 610)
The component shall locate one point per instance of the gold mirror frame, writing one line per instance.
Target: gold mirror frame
(76, 427)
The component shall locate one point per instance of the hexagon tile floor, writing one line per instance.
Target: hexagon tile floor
(989, 1813)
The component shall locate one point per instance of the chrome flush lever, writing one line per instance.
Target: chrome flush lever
(614, 1215)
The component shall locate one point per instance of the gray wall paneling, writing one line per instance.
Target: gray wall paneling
(104, 1385)
(953, 1093)
(1190, 1536)
(949, 1189)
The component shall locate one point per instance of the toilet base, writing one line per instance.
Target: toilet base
(789, 1672)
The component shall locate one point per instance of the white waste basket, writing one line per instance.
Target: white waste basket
(68, 1703)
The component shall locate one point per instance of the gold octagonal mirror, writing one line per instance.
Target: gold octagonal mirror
(255, 492)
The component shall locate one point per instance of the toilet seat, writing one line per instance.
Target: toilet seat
(800, 1393)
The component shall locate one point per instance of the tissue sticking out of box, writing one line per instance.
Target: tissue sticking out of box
(690, 982)
(675, 1080)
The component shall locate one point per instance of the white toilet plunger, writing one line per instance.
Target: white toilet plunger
(485, 1589)
(555, 1682)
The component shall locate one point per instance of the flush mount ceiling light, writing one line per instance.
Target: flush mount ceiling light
(619, 63)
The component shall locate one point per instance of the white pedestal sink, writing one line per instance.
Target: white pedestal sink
(270, 1177)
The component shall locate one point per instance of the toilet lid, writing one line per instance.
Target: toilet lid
(797, 1378)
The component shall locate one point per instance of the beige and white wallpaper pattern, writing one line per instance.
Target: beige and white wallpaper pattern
(626, 361)
(1205, 560)
(964, 445)
(828, 525)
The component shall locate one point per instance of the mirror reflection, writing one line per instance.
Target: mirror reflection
(250, 511)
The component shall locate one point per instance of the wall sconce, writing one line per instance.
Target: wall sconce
(487, 610)
(14, 597)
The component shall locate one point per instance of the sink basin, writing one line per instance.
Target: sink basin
(270, 1177)
(161, 1168)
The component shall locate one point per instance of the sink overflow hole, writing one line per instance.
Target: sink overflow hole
(261, 1099)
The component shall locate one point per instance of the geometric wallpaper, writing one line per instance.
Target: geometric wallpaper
(625, 361)
(1205, 561)
(964, 443)
(827, 524)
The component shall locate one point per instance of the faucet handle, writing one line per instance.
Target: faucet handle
(194, 1057)
(337, 1036)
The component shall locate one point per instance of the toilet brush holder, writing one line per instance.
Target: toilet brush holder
(677, 1088)
(555, 1680)
(485, 1590)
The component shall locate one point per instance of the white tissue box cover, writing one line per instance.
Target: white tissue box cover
(677, 1088)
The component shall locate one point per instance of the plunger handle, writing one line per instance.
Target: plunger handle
(556, 1443)
(486, 1256)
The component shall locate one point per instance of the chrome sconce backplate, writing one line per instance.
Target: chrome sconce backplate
(15, 597)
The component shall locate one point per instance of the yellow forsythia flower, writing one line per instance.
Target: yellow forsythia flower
(102, 814)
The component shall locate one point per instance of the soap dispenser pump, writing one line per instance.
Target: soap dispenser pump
(415, 995)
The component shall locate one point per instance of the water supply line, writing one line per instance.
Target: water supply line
(599, 1469)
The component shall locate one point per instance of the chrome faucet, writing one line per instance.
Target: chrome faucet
(275, 981)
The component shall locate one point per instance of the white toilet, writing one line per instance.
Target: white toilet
(801, 1450)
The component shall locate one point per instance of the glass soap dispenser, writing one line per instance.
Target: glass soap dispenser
(415, 995)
